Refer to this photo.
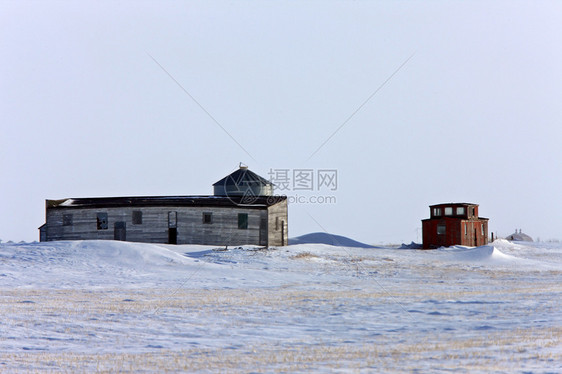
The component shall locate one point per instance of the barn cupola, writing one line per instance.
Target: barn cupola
(243, 182)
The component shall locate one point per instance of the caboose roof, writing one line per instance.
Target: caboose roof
(453, 204)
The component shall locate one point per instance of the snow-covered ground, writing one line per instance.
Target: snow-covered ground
(103, 306)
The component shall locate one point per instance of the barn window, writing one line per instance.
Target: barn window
(207, 217)
(460, 210)
(449, 211)
(102, 221)
(440, 229)
(67, 220)
(243, 221)
(436, 211)
(137, 217)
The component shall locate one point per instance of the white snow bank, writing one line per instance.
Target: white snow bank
(505, 253)
(487, 253)
(128, 254)
(93, 263)
(106, 263)
(326, 238)
(111, 263)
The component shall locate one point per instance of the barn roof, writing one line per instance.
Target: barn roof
(155, 201)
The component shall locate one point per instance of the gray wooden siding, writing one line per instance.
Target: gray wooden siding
(154, 228)
(278, 221)
(235, 190)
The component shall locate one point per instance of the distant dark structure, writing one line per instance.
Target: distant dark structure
(242, 211)
(330, 239)
(454, 224)
(519, 237)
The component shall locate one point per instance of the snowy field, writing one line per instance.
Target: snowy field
(102, 306)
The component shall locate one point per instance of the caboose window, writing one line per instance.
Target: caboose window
(449, 211)
(440, 229)
(460, 210)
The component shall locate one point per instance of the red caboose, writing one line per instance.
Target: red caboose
(454, 224)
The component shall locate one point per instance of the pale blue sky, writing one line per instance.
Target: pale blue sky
(474, 116)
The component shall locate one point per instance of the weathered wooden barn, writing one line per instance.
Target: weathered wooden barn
(234, 215)
(454, 224)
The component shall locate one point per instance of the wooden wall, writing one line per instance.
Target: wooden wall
(455, 233)
(222, 231)
(278, 225)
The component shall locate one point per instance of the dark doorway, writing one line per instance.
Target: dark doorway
(263, 232)
(172, 227)
(120, 231)
(172, 235)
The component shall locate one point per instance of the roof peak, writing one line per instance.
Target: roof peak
(243, 175)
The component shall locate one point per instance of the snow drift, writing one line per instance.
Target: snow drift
(89, 306)
(487, 253)
(501, 253)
